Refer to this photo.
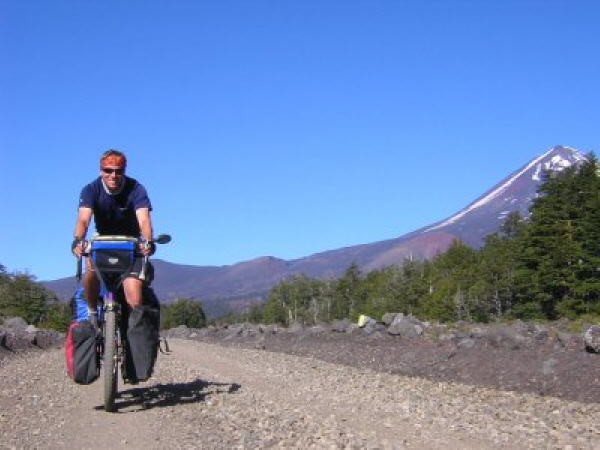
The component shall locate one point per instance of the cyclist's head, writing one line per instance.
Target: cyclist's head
(114, 159)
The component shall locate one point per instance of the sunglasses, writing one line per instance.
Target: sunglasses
(108, 171)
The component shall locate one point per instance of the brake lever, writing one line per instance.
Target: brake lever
(147, 245)
(80, 262)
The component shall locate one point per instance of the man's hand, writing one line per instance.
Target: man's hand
(77, 247)
(147, 248)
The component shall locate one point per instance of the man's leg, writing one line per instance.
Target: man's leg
(133, 286)
(133, 291)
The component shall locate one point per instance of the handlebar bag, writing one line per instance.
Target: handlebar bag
(83, 357)
(113, 257)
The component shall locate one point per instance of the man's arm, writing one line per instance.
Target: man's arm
(143, 217)
(84, 217)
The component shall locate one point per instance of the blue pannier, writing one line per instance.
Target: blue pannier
(79, 306)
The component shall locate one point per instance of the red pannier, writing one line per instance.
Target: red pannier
(83, 360)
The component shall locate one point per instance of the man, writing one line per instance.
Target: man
(120, 206)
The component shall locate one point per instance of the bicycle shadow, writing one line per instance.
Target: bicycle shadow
(171, 394)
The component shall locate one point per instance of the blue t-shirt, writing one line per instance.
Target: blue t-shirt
(115, 213)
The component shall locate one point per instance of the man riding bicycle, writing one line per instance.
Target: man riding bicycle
(120, 206)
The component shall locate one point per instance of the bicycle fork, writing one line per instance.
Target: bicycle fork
(111, 305)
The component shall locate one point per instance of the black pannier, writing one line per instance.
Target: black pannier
(142, 338)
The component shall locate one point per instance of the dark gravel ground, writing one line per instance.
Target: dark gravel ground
(559, 369)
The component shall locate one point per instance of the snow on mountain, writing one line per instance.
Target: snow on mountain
(557, 163)
(516, 192)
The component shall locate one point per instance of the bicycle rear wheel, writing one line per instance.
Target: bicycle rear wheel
(110, 359)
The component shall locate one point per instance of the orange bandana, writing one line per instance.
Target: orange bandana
(114, 161)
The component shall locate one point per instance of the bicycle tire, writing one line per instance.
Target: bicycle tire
(110, 360)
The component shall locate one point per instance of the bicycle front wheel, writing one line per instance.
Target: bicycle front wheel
(110, 359)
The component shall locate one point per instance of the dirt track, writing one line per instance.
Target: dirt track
(207, 396)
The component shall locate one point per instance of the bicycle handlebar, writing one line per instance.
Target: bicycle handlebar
(160, 239)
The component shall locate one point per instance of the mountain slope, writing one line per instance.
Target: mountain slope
(234, 286)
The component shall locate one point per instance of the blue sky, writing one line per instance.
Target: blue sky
(281, 128)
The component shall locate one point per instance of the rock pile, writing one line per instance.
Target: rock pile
(403, 327)
(16, 335)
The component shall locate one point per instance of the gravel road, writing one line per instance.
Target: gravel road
(208, 396)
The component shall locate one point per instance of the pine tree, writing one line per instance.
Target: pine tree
(275, 309)
(584, 298)
(453, 276)
(499, 266)
(557, 249)
(349, 296)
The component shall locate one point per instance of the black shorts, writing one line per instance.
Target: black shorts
(135, 272)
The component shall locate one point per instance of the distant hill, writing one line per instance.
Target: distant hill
(233, 287)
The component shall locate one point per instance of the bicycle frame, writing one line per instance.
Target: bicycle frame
(112, 259)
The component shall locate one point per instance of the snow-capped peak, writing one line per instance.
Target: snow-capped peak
(557, 163)
(555, 159)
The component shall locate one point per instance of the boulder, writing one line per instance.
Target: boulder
(406, 327)
(341, 326)
(48, 339)
(374, 328)
(506, 336)
(370, 327)
(388, 318)
(365, 320)
(15, 324)
(16, 341)
(591, 339)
